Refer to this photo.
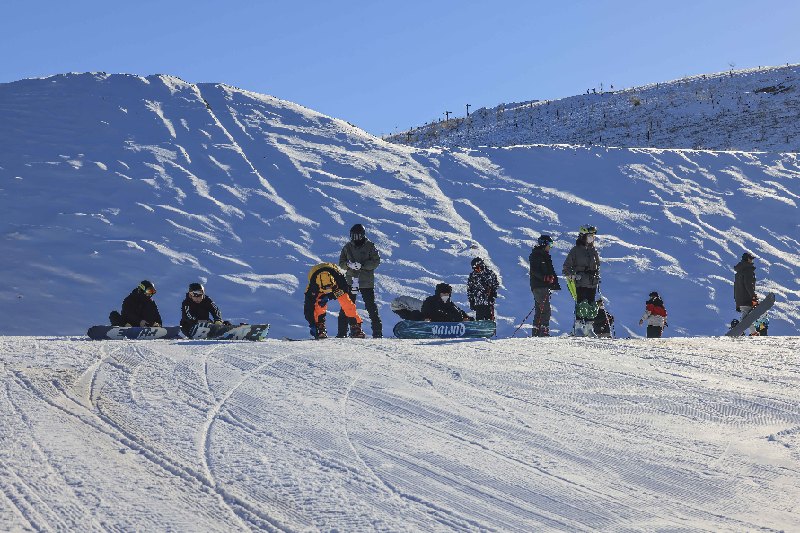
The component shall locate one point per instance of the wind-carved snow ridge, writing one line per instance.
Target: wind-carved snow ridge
(248, 192)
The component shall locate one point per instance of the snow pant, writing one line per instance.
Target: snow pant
(588, 294)
(745, 309)
(541, 316)
(348, 308)
(654, 332)
(484, 312)
(372, 309)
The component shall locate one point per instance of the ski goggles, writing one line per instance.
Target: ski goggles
(197, 294)
(590, 230)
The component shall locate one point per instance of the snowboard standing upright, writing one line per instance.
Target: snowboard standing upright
(754, 314)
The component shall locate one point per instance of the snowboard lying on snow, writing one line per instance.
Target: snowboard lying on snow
(248, 332)
(412, 329)
(99, 333)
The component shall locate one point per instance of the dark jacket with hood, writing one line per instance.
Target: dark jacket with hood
(541, 265)
(437, 310)
(192, 312)
(744, 284)
(137, 306)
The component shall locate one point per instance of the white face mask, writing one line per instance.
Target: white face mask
(589, 239)
(445, 297)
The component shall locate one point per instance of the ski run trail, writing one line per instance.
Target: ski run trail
(559, 434)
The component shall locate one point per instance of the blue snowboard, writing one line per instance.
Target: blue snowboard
(412, 329)
(100, 333)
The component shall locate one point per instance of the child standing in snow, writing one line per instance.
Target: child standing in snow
(656, 315)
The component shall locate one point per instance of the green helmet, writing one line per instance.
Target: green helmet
(587, 230)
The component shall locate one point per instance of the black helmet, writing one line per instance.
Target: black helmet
(147, 287)
(747, 256)
(654, 294)
(357, 234)
(477, 262)
(544, 240)
(444, 288)
(196, 287)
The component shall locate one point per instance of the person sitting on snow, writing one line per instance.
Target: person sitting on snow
(440, 308)
(656, 315)
(326, 282)
(197, 307)
(138, 308)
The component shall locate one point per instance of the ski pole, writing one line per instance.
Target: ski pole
(524, 320)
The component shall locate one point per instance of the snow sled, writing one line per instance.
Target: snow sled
(414, 329)
(750, 318)
(211, 331)
(100, 333)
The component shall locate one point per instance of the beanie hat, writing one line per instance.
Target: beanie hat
(444, 288)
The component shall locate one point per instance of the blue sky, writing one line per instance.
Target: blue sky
(386, 66)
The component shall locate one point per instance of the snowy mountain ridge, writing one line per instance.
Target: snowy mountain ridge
(743, 110)
(109, 179)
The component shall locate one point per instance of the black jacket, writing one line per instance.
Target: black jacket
(541, 265)
(192, 312)
(744, 284)
(436, 310)
(137, 306)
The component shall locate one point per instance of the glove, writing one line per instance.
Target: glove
(578, 277)
(156, 325)
(226, 323)
(312, 329)
(354, 265)
(755, 301)
(127, 324)
(143, 323)
(738, 310)
(218, 322)
(641, 322)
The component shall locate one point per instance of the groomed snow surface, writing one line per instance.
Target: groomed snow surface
(390, 435)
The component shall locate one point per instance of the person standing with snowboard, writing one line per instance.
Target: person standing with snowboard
(656, 315)
(326, 282)
(582, 268)
(196, 307)
(482, 288)
(744, 286)
(359, 259)
(138, 308)
(543, 282)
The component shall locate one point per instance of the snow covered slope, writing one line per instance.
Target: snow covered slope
(109, 179)
(750, 110)
(509, 435)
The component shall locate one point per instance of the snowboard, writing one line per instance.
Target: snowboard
(100, 333)
(752, 316)
(412, 329)
(211, 331)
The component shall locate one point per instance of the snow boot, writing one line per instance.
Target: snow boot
(577, 328)
(356, 332)
(322, 332)
(588, 328)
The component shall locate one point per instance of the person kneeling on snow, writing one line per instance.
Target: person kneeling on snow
(603, 321)
(326, 282)
(656, 315)
(196, 307)
(138, 308)
(440, 308)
